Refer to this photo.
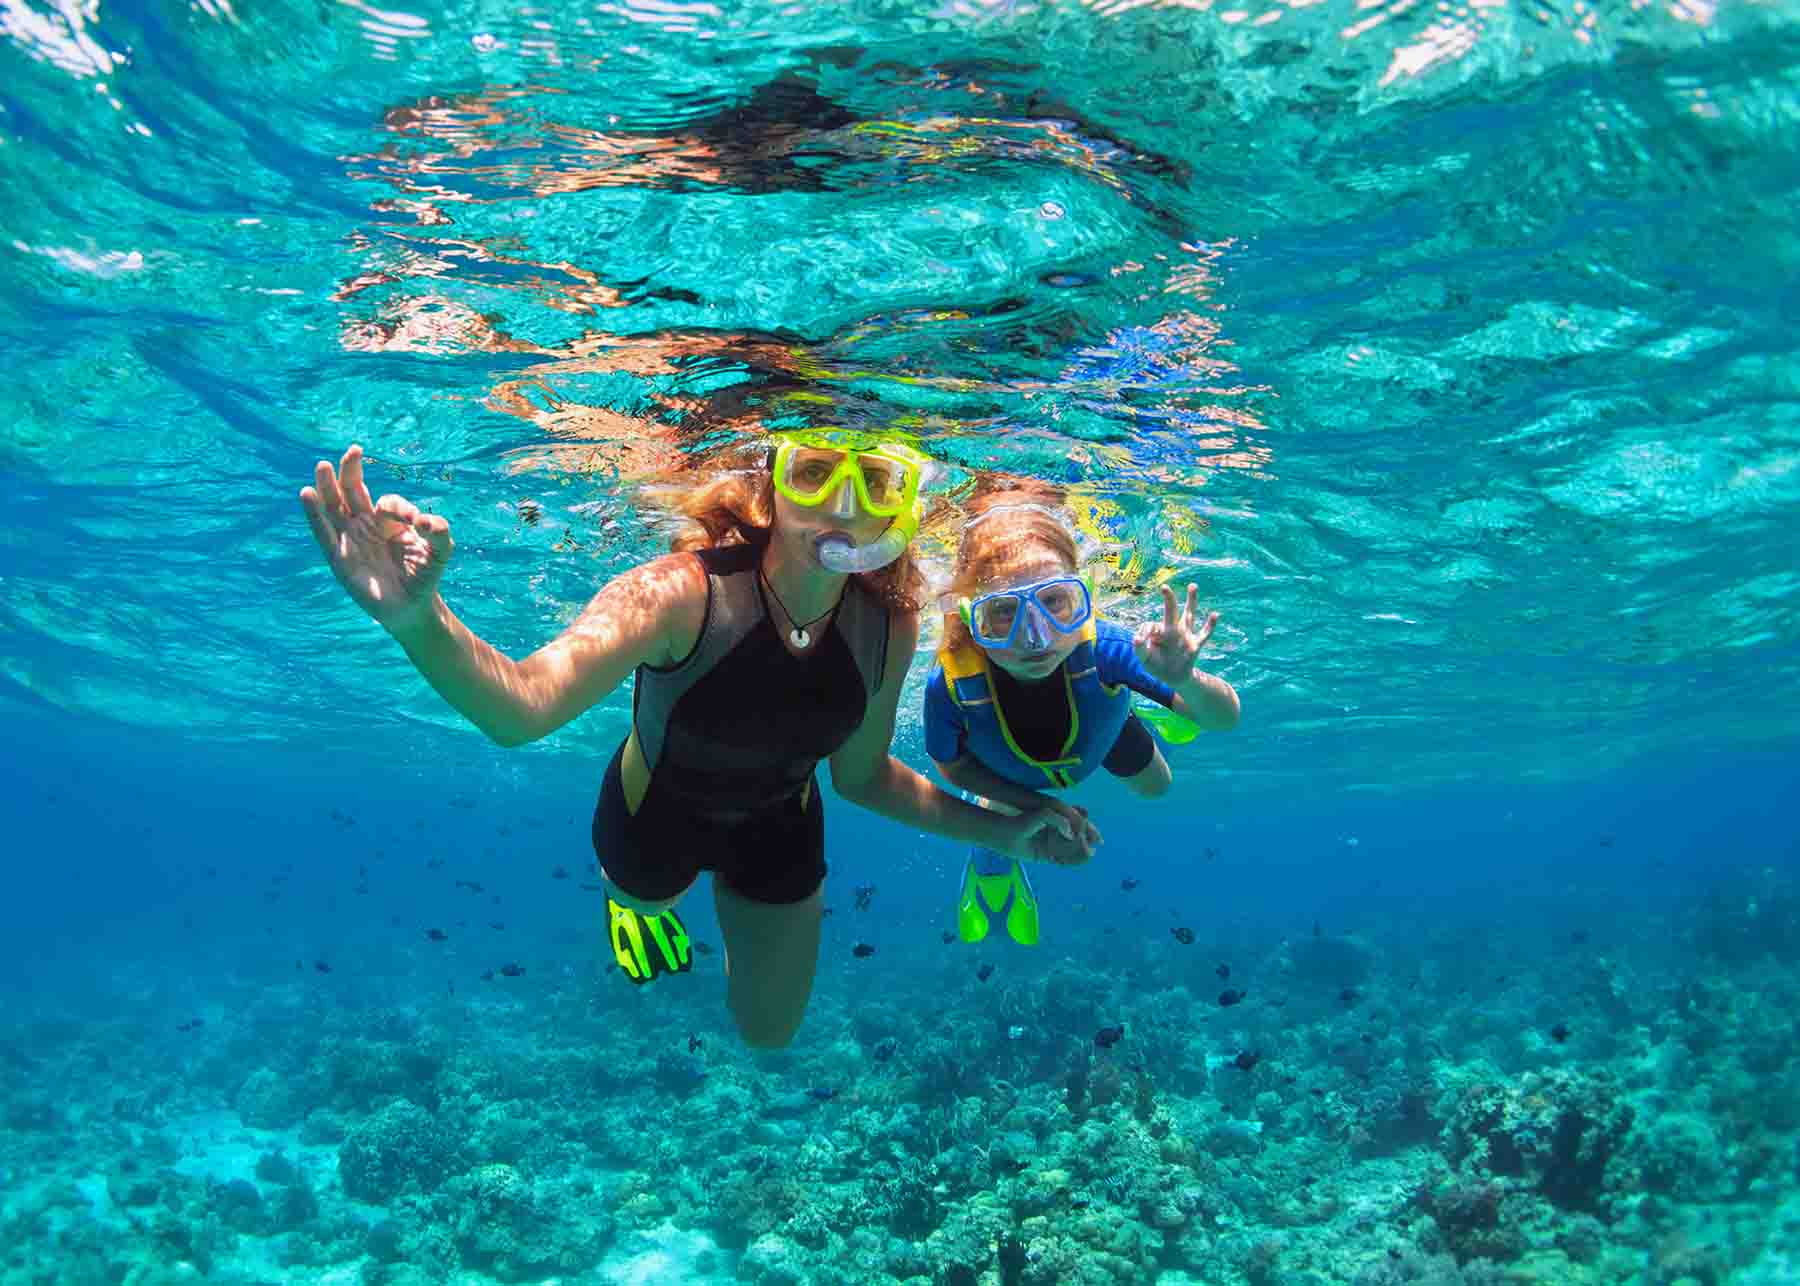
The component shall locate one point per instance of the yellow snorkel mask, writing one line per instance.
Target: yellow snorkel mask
(814, 467)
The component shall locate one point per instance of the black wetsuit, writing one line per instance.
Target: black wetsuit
(732, 734)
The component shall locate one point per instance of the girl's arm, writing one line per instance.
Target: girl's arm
(1207, 700)
(977, 778)
(866, 773)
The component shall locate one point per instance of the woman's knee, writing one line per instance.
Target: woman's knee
(761, 1030)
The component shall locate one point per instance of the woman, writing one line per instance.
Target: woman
(778, 634)
(1033, 692)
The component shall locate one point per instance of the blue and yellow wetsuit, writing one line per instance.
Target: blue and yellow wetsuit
(1047, 735)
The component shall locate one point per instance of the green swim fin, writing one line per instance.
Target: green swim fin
(1173, 728)
(990, 892)
(648, 945)
(1022, 915)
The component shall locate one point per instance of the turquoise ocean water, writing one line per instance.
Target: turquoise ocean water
(1449, 348)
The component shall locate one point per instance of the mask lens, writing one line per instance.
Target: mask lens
(809, 471)
(885, 481)
(1062, 602)
(994, 617)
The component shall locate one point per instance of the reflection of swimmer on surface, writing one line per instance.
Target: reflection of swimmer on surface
(778, 634)
(1033, 691)
(784, 137)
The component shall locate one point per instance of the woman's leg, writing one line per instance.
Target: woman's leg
(771, 954)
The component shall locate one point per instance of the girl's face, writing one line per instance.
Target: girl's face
(1026, 659)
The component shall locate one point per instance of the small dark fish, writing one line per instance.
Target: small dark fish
(321, 966)
(530, 511)
(1606, 841)
(559, 872)
(949, 937)
(862, 951)
(1183, 935)
(1316, 1092)
(487, 975)
(1348, 997)
(437, 935)
(1560, 1033)
(1129, 884)
(825, 911)
(434, 864)
(694, 1043)
(1247, 1059)
(821, 1093)
(1231, 996)
(1317, 931)
(864, 893)
(1211, 853)
(470, 885)
(450, 985)
(361, 888)
(298, 966)
(1578, 937)
(885, 1048)
(703, 948)
(192, 1024)
(511, 970)
(1107, 1037)
(496, 924)
(984, 973)
(1368, 1039)
(1224, 972)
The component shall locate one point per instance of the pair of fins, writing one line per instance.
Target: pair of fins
(996, 887)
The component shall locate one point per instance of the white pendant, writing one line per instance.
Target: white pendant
(799, 637)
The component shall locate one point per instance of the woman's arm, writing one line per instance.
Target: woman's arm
(650, 614)
(865, 773)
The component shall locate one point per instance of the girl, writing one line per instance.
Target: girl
(777, 635)
(1033, 692)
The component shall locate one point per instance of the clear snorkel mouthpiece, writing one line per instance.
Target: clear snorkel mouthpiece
(838, 553)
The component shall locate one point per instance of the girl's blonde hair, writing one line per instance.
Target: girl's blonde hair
(736, 506)
(991, 550)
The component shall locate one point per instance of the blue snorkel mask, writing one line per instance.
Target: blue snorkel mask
(1031, 615)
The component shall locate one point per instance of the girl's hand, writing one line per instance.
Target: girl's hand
(1167, 650)
(388, 555)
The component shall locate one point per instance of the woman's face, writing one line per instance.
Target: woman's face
(1025, 659)
(800, 527)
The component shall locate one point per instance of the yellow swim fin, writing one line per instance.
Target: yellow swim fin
(648, 945)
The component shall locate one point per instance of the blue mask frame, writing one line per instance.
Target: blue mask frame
(1031, 607)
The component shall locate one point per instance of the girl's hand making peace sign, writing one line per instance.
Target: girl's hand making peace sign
(1167, 649)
